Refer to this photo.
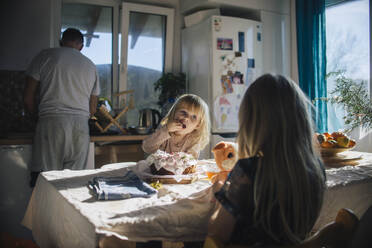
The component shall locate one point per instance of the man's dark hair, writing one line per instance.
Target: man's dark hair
(72, 34)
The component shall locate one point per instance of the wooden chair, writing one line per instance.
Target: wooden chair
(10, 241)
(336, 234)
(363, 235)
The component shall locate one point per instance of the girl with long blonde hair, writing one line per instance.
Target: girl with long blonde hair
(274, 194)
(186, 128)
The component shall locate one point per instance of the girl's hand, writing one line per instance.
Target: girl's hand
(174, 126)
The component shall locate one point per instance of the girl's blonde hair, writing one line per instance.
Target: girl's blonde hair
(197, 105)
(274, 120)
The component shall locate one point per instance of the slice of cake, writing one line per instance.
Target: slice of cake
(178, 163)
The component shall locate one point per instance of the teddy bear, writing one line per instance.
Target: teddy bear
(226, 155)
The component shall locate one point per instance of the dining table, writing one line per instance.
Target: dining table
(62, 212)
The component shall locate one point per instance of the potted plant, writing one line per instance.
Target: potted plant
(353, 96)
(170, 86)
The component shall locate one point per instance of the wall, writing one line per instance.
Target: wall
(294, 61)
(12, 117)
(25, 27)
(363, 138)
(276, 30)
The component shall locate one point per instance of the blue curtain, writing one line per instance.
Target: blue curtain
(311, 46)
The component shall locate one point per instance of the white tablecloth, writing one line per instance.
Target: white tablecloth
(63, 213)
(347, 187)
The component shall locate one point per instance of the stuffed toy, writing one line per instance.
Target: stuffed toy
(226, 155)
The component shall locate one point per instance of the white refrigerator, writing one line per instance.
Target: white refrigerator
(221, 57)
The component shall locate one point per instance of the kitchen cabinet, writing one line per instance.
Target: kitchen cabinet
(15, 159)
(118, 153)
(15, 191)
(103, 149)
(117, 148)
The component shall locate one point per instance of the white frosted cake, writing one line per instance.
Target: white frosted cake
(178, 163)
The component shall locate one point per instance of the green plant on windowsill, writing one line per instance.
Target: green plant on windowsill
(353, 96)
(170, 86)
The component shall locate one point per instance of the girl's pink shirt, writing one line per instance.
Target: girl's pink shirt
(161, 139)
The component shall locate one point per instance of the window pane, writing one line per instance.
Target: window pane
(145, 60)
(95, 22)
(347, 32)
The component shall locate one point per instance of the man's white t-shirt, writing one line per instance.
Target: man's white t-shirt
(67, 79)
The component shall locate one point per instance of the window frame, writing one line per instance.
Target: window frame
(115, 5)
(169, 34)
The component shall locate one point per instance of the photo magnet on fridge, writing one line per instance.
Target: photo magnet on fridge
(224, 44)
(226, 85)
(238, 54)
(217, 24)
(237, 78)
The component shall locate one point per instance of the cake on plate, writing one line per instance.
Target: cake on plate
(177, 163)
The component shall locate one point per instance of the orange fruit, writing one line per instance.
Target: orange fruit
(210, 175)
(335, 135)
(329, 143)
(352, 143)
(343, 141)
(328, 135)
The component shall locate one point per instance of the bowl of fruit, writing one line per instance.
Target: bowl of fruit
(336, 142)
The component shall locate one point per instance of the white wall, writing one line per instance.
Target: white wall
(276, 35)
(25, 30)
(363, 138)
(294, 61)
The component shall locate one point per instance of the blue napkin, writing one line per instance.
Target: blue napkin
(117, 188)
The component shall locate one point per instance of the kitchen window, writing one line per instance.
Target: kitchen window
(98, 21)
(146, 53)
(348, 47)
(134, 62)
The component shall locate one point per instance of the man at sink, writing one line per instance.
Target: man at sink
(69, 87)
